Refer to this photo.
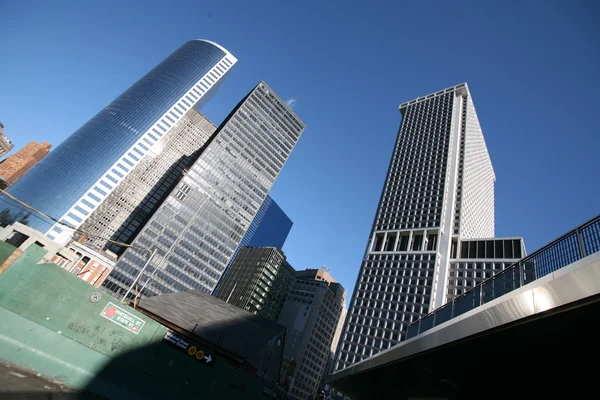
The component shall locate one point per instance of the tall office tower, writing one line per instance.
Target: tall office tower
(83, 170)
(15, 166)
(201, 223)
(311, 315)
(127, 209)
(439, 191)
(259, 280)
(5, 143)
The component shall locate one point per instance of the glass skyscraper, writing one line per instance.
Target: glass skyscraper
(438, 197)
(270, 227)
(75, 178)
(201, 223)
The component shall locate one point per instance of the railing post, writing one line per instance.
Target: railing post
(582, 251)
(521, 273)
(480, 294)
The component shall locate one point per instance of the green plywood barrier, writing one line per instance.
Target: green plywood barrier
(60, 301)
(49, 324)
(5, 251)
(29, 345)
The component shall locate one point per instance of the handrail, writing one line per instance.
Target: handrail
(568, 248)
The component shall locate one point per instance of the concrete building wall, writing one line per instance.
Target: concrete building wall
(22, 237)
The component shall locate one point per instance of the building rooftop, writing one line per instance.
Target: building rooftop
(229, 327)
(461, 87)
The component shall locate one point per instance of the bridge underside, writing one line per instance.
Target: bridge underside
(552, 353)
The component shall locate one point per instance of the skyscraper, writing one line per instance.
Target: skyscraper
(127, 209)
(270, 226)
(5, 143)
(258, 280)
(311, 315)
(81, 172)
(439, 192)
(16, 165)
(201, 223)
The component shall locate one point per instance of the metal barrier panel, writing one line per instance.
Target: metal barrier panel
(559, 254)
(427, 323)
(591, 237)
(466, 302)
(443, 313)
(413, 329)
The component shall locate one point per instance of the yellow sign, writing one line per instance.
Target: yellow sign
(192, 350)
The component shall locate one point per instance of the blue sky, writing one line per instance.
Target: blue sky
(532, 67)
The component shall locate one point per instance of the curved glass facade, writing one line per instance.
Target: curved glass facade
(74, 178)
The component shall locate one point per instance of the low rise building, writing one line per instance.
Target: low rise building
(21, 236)
(225, 333)
(85, 263)
(91, 266)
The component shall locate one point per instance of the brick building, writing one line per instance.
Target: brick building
(15, 166)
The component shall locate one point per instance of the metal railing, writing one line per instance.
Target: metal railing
(572, 246)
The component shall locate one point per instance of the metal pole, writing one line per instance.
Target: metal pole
(139, 275)
(228, 297)
(148, 280)
(521, 274)
(581, 243)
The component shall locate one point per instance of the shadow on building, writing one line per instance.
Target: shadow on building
(147, 207)
(163, 370)
(141, 214)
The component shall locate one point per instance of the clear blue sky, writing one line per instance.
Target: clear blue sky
(532, 67)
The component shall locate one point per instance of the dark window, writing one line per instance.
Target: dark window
(16, 239)
(417, 242)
